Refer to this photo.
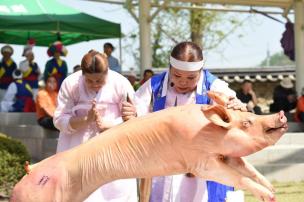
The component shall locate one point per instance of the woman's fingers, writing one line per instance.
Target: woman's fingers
(93, 103)
(127, 104)
(236, 104)
(92, 113)
(128, 109)
(128, 112)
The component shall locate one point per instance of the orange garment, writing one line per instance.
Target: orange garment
(300, 108)
(46, 103)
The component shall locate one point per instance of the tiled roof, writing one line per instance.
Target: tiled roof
(261, 74)
(255, 74)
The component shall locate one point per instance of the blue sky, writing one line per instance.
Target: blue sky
(258, 34)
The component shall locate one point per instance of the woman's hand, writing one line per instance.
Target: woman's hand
(92, 113)
(104, 124)
(95, 115)
(234, 103)
(79, 122)
(251, 92)
(128, 110)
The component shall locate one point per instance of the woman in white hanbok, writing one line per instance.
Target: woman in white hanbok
(89, 102)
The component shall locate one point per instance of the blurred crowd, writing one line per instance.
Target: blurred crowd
(20, 90)
(284, 98)
(24, 88)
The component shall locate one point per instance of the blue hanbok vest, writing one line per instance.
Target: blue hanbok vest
(24, 97)
(216, 191)
(52, 68)
(32, 77)
(6, 73)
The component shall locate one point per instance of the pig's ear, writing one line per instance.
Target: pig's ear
(218, 115)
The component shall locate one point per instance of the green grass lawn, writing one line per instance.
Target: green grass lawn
(285, 192)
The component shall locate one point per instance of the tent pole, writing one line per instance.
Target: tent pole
(299, 43)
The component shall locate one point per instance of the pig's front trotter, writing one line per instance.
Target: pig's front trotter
(216, 169)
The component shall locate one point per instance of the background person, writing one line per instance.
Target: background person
(76, 68)
(56, 66)
(30, 69)
(114, 65)
(7, 67)
(148, 73)
(19, 96)
(299, 115)
(46, 103)
(247, 95)
(284, 97)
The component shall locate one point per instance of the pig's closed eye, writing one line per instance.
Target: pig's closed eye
(247, 123)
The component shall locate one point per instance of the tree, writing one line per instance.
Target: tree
(206, 28)
(277, 59)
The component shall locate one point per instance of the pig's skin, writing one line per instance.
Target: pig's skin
(207, 141)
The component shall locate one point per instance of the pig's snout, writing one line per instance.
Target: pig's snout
(281, 120)
(277, 121)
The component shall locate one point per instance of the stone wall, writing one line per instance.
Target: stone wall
(41, 143)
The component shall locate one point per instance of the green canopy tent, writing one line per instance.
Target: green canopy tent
(47, 20)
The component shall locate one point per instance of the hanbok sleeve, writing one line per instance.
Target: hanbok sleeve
(8, 99)
(127, 90)
(38, 69)
(47, 69)
(143, 98)
(65, 69)
(66, 101)
(221, 86)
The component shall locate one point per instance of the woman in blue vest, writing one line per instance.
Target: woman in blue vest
(185, 82)
(7, 66)
(30, 69)
(19, 96)
(56, 66)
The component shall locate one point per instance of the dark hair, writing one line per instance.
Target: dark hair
(76, 67)
(18, 72)
(247, 81)
(45, 79)
(48, 78)
(94, 62)
(187, 51)
(148, 71)
(109, 45)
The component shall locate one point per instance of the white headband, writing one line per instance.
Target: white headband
(186, 66)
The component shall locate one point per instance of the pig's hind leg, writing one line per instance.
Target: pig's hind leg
(216, 169)
(245, 168)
